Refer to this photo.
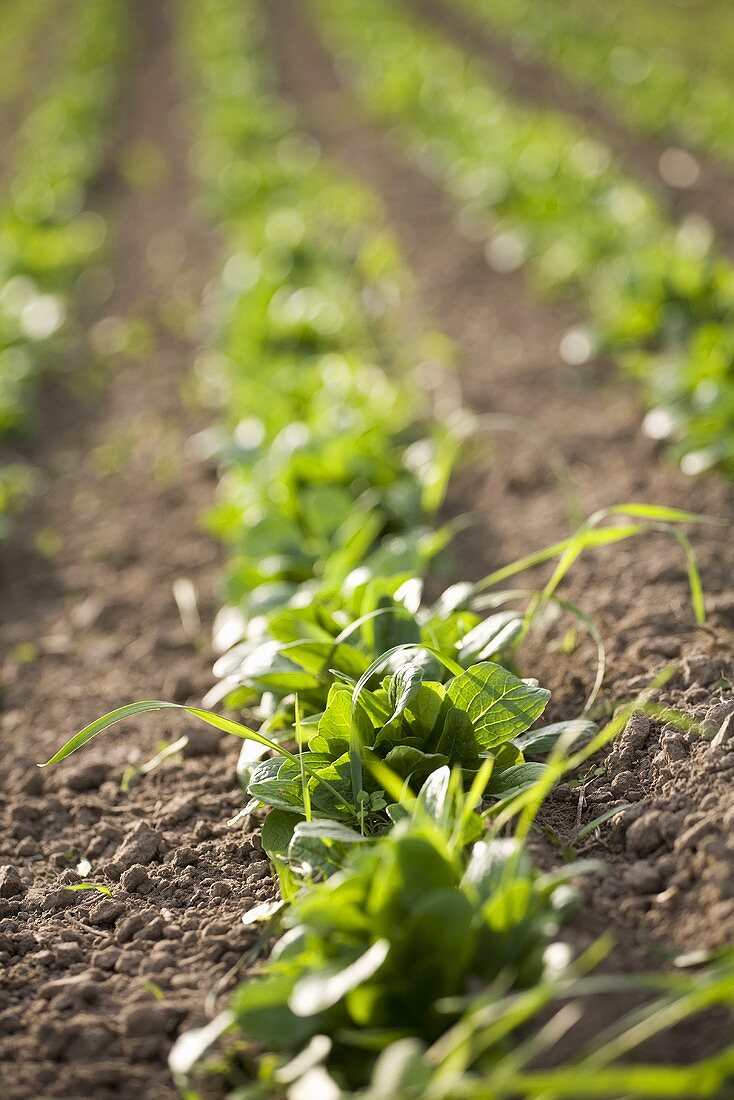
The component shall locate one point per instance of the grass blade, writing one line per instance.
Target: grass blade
(146, 705)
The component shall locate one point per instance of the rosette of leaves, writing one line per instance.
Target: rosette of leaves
(344, 625)
(412, 725)
(396, 945)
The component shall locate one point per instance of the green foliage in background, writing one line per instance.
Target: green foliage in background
(46, 236)
(547, 194)
(664, 68)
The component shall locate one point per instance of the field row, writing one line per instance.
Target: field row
(47, 237)
(659, 299)
(637, 57)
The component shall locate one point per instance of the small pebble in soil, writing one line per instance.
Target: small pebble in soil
(106, 912)
(643, 878)
(644, 835)
(10, 882)
(202, 742)
(87, 778)
(135, 877)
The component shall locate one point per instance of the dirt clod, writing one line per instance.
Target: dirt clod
(180, 809)
(140, 846)
(643, 878)
(645, 834)
(724, 736)
(141, 1020)
(106, 912)
(10, 882)
(58, 899)
(129, 926)
(88, 777)
(134, 878)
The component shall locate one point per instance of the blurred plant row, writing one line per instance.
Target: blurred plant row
(665, 69)
(46, 236)
(333, 467)
(20, 22)
(415, 937)
(547, 195)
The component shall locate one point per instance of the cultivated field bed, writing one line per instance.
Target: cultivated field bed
(366, 407)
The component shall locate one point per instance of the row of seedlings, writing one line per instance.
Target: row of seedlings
(47, 236)
(647, 60)
(546, 194)
(20, 23)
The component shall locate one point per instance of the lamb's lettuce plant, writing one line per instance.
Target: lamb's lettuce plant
(409, 968)
(344, 629)
(414, 725)
(392, 945)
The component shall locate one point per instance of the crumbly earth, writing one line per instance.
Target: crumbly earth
(96, 986)
(669, 885)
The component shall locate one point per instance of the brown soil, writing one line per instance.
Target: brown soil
(94, 987)
(671, 856)
(530, 81)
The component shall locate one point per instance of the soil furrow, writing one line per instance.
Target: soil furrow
(530, 81)
(95, 986)
(510, 364)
